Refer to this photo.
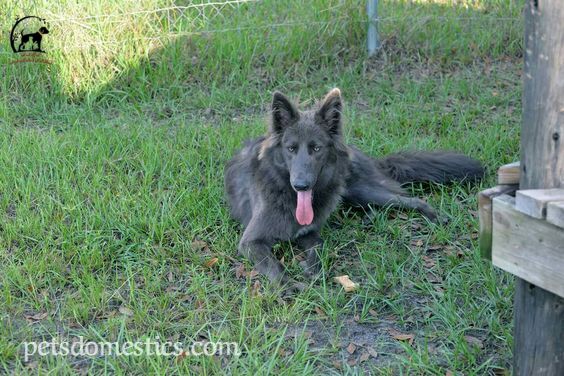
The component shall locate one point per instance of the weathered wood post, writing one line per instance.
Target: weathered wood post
(539, 314)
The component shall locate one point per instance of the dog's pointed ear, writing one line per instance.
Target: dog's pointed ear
(284, 113)
(329, 114)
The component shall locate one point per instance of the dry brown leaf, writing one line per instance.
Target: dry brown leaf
(337, 365)
(320, 312)
(402, 336)
(252, 274)
(239, 271)
(429, 262)
(351, 348)
(405, 337)
(449, 373)
(364, 356)
(351, 362)
(433, 278)
(434, 248)
(170, 289)
(181, 356)
(32, 365)
(37, 316)
(125, 311)
(473, 341)
(255, 289)
(347, 284)
(199, 304)
(284, 353)
(372, 352)
(417, 243)
(106, 315)
(373, 312)
(200, 245)
(211, 262)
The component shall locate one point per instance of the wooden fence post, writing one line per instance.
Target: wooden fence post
(539, 314)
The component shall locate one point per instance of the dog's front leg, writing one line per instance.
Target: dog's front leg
(312, 244)
(258, 251)
(256, 246)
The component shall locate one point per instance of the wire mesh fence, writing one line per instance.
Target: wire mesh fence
(257, 39)
(78, 29)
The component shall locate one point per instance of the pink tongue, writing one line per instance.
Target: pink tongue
(304, 210)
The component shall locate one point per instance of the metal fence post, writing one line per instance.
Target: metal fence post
(373, 41)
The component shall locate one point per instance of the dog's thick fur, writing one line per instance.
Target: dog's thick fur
(305, 151)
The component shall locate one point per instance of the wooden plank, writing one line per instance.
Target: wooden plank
(555, 213)
(533, 201)
(539, 315)
(509, 173)
(485, 215)
(527, 247)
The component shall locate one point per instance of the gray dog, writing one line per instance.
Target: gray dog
(284, 186)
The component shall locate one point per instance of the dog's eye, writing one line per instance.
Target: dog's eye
(291, 149)
(316, 148)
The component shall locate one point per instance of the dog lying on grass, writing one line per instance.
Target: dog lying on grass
(284, 186)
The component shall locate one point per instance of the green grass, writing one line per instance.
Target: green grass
(112, 166)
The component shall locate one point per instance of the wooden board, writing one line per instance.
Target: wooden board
(533, 201)
(509, 173)
(485, 215)
(527, 247)
(555, 214)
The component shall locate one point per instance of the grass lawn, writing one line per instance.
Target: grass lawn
(111, 185)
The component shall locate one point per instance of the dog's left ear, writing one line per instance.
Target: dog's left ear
(284, 113)
(329, 114)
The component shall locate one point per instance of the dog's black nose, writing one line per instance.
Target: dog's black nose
(301, 187)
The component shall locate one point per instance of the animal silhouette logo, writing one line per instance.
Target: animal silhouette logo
(28, 33)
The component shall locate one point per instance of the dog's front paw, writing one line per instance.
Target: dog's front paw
(312, 264)
(437, 219)
(431, 214)
(292, 288)
(311, 271)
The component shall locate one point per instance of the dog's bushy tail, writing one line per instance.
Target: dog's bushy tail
(434, 167)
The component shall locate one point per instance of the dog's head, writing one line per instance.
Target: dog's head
(305, 142)
(43, 30)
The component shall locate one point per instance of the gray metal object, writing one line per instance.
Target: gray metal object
(373, 40)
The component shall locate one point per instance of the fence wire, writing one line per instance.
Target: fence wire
(166, 23)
